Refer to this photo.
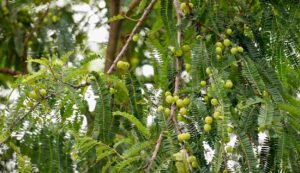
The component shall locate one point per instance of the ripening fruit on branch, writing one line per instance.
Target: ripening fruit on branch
(208, 120)
(169, 99)
(234, 51)
(240, 49)
(178, 53)
(186, 48)
(194, 164)
(228, 31)
(203, 83)
(183, 111)
(168, 93)
(29, 104)
(188, 67)
(122, 65)
(227, 42)
(265, 94)
(208, 71)
(218, 50)
(135, 38)
(229, 149)
(33, 95)
(207, 128)
(214, 102)
(43, 92)
(192, 159)
(219, 44)
(229, 129)
(167, 111)
(185, 8)
(180, 118)
(179, 103)
(186, 101)
(183, 137)
(217, 114)
(175, 98)
(160, 108)
(228, 84)
(219, 57)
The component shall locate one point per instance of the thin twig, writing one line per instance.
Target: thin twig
(155, 152)
(125, 47)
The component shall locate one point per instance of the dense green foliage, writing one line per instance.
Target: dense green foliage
(229, 95)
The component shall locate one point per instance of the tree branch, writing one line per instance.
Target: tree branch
(9, 71)
(136, 27)
(157, 147)
(114, 34)
(179, 65)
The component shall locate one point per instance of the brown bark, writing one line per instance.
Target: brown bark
(114, 33)
(9, 71)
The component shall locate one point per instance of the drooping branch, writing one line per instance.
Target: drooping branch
(134, 30)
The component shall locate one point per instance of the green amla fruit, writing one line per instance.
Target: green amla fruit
(229, 149)
(234, 51)
(219, 44)
(214, 102)
(228, 31)
(33, 95)
(183, 137)
(160, 108)
(192, 159)
(188, 67)
(43, 92)
(168, 93)
(194, 164)
(186, 48)
(218, 50)
(183, 111)
(217, 114)
(135, 38)
(227, 42)
(203, 83)
(29, 103)
(179, 103)
(122, 65)
(180, 118)
(207, 128)
(175, 98)
(178, 53)
(169, 99)
(208, 120)
(186, 101)
(228, 84)
(240, 49)
(208, 71)
(229, 129)
(167, 111)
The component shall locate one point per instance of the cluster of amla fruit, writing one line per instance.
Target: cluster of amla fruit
(220, 47)
(180, 52)
(186, 8)
(181, 160)
(182, 105)
(36, 95)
